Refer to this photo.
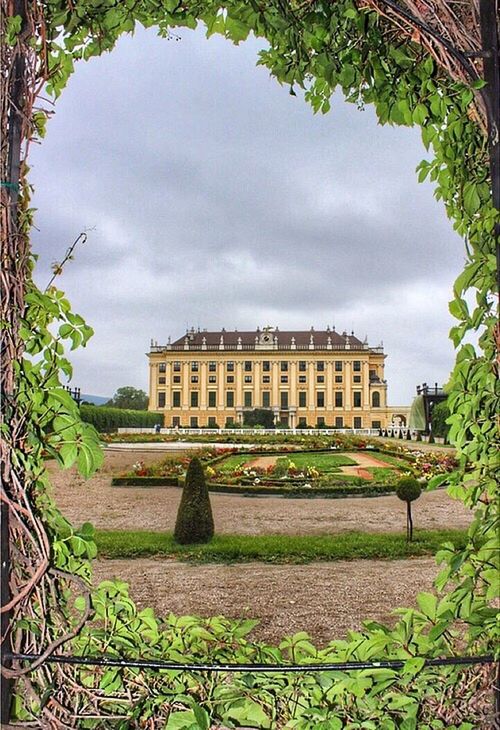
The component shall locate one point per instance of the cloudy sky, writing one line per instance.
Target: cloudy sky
(216, 199)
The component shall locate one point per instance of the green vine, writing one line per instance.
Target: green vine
(316, 47)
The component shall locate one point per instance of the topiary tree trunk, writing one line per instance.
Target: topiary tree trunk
(194, 522)
(408, 490)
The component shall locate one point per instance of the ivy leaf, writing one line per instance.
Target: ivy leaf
(471, 199)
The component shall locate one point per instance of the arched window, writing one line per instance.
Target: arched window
(375, 399)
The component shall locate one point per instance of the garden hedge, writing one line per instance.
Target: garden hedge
(106, 419)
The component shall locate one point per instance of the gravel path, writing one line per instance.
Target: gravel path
(155, 508)
(325, 599)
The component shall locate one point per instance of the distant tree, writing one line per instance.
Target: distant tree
(439, 414)
(195, 522)
(130, 398)
(259, 417)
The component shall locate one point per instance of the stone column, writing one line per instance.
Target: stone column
(239, 385)
(366, 385)
(153, 386)
(275, 379)
(329, 385)
(203, 385)
(347, 386)
(292, 379)
(221, 388)
(257, 395)
(311, 388)
(168, 386)
(186, 384)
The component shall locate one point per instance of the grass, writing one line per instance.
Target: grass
(322, 462)
(276, 548)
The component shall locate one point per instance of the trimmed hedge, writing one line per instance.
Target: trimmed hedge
(106, 419)
(439, 414)
(343, 490)
(146, 482)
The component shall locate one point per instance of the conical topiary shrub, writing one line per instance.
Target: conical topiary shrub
(194, 522)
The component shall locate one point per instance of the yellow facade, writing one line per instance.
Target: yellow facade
(210, 379)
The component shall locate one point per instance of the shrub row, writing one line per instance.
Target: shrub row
(342, 490)
(106, 419)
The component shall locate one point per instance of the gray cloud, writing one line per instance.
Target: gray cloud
(220, 200)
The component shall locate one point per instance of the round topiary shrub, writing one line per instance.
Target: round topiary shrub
(194, 522)
(408, 490)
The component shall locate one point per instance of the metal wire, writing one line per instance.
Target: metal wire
(159, 665)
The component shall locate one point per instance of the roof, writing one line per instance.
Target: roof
(284, 338)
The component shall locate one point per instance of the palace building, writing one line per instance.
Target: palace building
(306, 378)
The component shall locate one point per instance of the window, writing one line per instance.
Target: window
(193, 422)
(339, 422)
(372, 374)
(177, 378)
(302, 399)
(194, 378)
(230, 367)
(284, 399)
(376, 424)
(230, 399)
(161, 400)
(194, 367)
(248, 378)
(356, 396)
(266, 378)
(356, 379)
(356, 366)
(230, 379)
(320, 399)
(212, 378)
(176, 398)
(302, 379)
(302, 366)
(320, 378)
(338, 378)
(338, 366)
(162, 379)
(212, 398)
(339, 399)
(247, 395)
(302, 422)
(357, 422)
(376, 399)
(248, 366)
(284, 378)
(177, 367)
(284, 366)
(266, 399)
(162, 367)
(194, 399)
(266, 366)
(176, 422)
(320, 422)
(320, 366)
(212, 423)
(212, 367)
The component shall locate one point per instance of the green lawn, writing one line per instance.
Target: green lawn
(276, 548)
(321, 462)
(233, 462)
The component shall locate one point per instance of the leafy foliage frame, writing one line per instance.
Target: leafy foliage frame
(404, 60)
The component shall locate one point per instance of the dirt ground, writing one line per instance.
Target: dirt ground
(155, 508)
(324, 599)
